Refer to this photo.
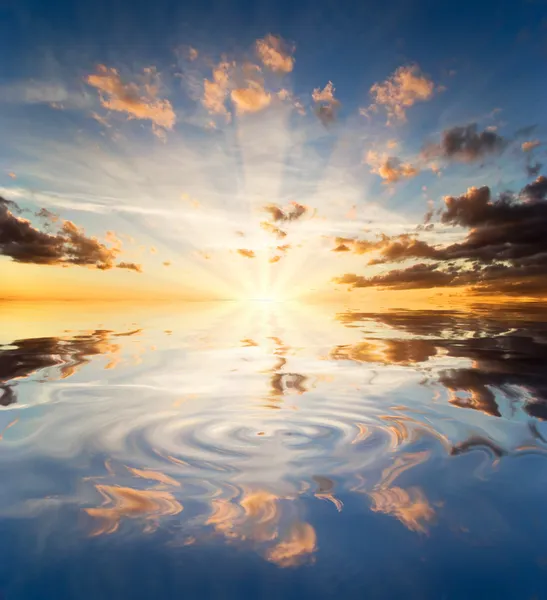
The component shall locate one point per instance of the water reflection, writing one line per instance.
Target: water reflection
(384, 423)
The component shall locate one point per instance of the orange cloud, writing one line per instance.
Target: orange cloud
(299, 543)
(215, 91)
(256, 519)
(527, 146)
(252, 98)
(137, 101)
(409, 506)
(270, 228)
(246, 253)
(125, 502)
(274, 54)
(389, 168)
(401, 91)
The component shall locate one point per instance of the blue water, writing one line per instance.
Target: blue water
(273, 450)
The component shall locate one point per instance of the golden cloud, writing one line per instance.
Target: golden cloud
(252, 98)
(137, 101)
(275, 54)
(389, 168)
(246, 253)
(215, 91)
(409, 506)
(128, 503)
(401, 91)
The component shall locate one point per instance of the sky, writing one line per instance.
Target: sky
(272, 150)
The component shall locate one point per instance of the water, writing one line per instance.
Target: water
(272, 450)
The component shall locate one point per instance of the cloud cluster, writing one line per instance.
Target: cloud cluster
(507, 352)
(466, 144)
(275, 54)
(505, 250)
(138, 101)
(69, 245)
(390, 168)
(401, 91)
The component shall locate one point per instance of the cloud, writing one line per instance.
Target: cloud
(530, 145)
(409, 506)
(389, 168)
(275, 54)
(504, 251)
(129, 266)
(271, 228)
(532, 170)
(356, 246)
(138, 101)
(215, 91)
(246, 253)
(401, 91)
(507, 351)
(252, 98)
(24, 243)
(419, 276)
(466, 144)
(291, 213)
(58, 358)
(255, 519)
(119, 503)
(327, 104)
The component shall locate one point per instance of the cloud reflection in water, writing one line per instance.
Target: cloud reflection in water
(366, 404)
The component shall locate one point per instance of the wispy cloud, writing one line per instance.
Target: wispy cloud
(137, 100)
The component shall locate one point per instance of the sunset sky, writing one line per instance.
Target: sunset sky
(230, 151)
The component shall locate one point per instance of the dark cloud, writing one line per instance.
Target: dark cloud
(24, 243)
(59, 358)
(507, 351)
(417, 276)
(504, 251)
(326, 104)
(326, 113)
(466, 144)
(532, 170)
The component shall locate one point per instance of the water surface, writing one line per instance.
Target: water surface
(273, 450)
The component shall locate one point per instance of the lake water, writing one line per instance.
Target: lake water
(272, 450)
